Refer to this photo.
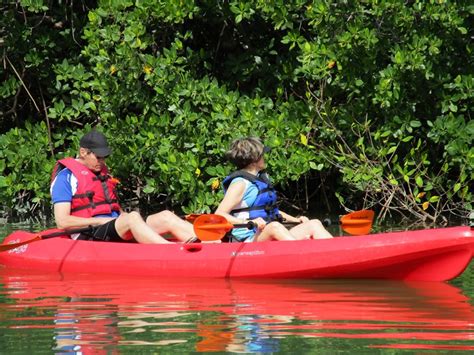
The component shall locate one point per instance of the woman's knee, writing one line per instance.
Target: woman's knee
(277, 230)
(274, 226)
(319, 230)
(315, 223)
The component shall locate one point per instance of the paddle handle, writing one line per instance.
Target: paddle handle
(214, 227)
(250, 225)
(68, 232)
(326, 222)
(39, 236)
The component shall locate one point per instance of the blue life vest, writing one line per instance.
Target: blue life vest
(265, 205)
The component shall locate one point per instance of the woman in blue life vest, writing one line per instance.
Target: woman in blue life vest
(249, 196)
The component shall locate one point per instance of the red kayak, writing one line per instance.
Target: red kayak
(423, 255)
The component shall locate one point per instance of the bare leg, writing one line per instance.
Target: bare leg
(142, 232)
(311, 229)
(274, 230)
(167, 222)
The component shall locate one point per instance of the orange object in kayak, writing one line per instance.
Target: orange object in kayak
(427, 255)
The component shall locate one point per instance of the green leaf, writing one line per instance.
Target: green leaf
(148, 189)
(398, 57)
(419, 181)
(3, 181)
(391, 150)
(317, 167)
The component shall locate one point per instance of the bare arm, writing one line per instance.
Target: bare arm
(64, 219)
(289, 218)
(233, 196)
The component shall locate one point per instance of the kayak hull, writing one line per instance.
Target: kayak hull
(423, 255)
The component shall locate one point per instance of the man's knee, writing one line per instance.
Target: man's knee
(129, 218)
(134, 216)
(162, 217)
(167, 215)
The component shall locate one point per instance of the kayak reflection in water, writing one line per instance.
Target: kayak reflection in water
(250, 196)
(84, 194)
(82, 329)
(240, 334)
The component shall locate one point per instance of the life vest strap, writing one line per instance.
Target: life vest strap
(88, 194)
(253, 208)
(101, 177)
(92, 205)
(263, 177)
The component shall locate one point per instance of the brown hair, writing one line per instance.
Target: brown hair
(244, 151)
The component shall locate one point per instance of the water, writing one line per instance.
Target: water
(59, 313)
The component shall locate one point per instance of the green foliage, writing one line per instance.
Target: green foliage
(175, 123)
(405, 130)
(34, 36)
(373, 96)
(26, 169)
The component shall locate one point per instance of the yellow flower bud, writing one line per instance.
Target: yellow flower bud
(303, 139)
(421, 194)
(147, 69)
(215, 184)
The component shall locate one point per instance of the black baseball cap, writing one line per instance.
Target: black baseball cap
(96, 142)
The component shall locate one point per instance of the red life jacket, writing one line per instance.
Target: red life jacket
(95, 193)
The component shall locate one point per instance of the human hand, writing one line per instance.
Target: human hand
(302, 219)
(259, 223)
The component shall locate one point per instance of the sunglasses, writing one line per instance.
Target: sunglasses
(96, 156)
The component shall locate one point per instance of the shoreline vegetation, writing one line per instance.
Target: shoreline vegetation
(364, 104)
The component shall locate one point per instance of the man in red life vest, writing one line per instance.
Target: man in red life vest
(83, 194)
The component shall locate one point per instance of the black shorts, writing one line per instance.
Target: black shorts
(104, 233)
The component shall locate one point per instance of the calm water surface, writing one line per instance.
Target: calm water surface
(61, 313)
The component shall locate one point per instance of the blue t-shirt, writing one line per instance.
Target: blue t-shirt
(64, 186)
